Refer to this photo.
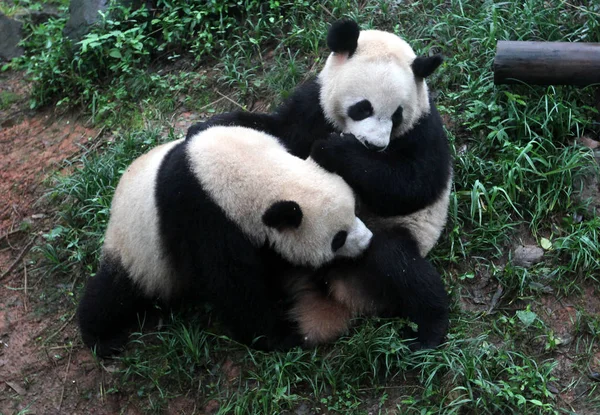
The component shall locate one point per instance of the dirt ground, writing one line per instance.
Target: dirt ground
(43, 367)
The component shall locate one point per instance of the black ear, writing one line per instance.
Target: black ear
(343, 36)
(283, 214)
(423, 66)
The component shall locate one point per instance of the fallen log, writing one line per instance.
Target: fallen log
(547, 63)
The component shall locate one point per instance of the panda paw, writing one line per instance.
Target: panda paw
(329, 152)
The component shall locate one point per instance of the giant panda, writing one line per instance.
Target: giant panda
(217, 218)
(368, 117)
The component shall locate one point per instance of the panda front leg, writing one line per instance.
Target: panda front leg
(111, 307)
(252, 310)
(396, 281)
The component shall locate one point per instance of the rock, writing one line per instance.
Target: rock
(17, 388)
(41, 17)
(527, 255)
(82, 14)
(303, 409)
(588, 192)
(12, 33)
(588, 142)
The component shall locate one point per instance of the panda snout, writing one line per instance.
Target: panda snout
(373, 147)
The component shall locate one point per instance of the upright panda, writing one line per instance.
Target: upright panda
(217, 218)
(376, 126)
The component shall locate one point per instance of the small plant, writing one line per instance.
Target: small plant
(517, 175)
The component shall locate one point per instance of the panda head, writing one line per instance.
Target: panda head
(373, 84)
(316, 227)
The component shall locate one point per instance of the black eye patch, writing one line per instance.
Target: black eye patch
(360, 110)
(397, 117)
(339, 240)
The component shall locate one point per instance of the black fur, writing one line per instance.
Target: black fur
(215, 260)
(423, 66)
(284, 214)
(110, 307)
(343, 37)
(413, 288)
(360, 110)
(297, 122)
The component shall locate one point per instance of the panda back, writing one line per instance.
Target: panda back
(133, 234)
(245, 171)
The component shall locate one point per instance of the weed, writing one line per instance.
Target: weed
(7, 99)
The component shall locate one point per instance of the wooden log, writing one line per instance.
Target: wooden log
(547, 63)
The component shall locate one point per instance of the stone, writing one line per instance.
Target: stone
(12, 33)
(40, 17)
(527, 255)
(82, 15)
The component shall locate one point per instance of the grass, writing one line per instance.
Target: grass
(7, 99)
(518, 172)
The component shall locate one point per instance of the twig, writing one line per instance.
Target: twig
(25, 299)
(60, 347)
(212, 103)
(19, 258)
(327, 10)
(4, 210)
(62, 394)
(59, 330)
(95, 144)
(11, 233)
(230, 100)
(581, 8)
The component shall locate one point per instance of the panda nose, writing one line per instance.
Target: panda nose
(373, 147)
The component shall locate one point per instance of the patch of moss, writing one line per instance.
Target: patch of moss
(7, 99)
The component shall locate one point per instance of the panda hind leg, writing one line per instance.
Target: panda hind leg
(406, 285)
(111, 307)
(320, 318)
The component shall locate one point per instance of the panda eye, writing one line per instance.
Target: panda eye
(339, 240)
(397, 117)
(360, 110)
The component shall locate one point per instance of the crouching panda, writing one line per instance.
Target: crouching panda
(368, 117)
(217, 218)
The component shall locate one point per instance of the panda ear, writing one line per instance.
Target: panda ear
(342, 37)
(423, 66)
(283, 214)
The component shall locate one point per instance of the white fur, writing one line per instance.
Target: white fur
(379, 71)
(132, 234)
(246, 171)
(425, 225)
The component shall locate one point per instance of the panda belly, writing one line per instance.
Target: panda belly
(425, 225)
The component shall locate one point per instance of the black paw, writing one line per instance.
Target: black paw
(329, 153)
(429, 338)
(291, 341)
(324, 153)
